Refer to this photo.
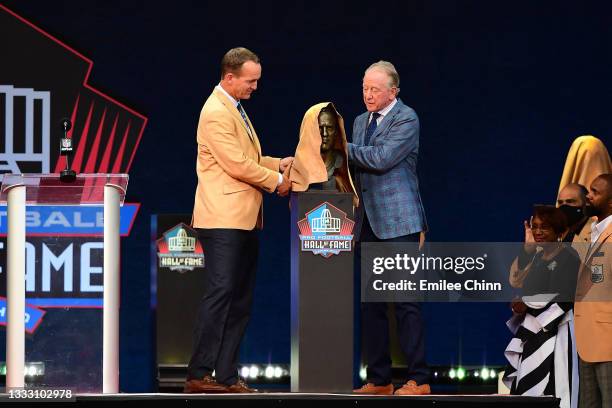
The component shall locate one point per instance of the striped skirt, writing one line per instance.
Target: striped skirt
(542, 354)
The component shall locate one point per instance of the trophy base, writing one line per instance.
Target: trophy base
(68, 176)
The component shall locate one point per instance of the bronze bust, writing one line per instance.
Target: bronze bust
(330, 152)
(321, 157)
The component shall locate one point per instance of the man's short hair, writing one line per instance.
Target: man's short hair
(580, 190)
(233, 59)
(607, 178)
(388, 69)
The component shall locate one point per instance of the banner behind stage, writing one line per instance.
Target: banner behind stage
(43, 80)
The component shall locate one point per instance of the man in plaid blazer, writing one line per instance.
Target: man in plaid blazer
(384, 152)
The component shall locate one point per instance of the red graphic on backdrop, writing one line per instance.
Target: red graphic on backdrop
(45, 84)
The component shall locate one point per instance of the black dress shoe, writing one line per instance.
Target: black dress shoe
(206, 385)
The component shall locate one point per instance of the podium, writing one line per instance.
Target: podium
(321, 292)
(19, 190)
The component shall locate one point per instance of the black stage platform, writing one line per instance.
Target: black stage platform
(289, 400)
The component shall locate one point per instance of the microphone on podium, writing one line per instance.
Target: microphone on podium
(67, 175)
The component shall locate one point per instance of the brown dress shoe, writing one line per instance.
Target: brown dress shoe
(411, 388)
(372, 389)
(206, 385)
(240, 388)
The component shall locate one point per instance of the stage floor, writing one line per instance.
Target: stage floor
(293, 399)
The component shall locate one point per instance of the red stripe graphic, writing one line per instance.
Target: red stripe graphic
(96, 189)
(119, 158)
(90, 167)
(78, 159)
(61, 163)
(104, 164)
(162, 246)
(305, 227)
(88, 193)
(347, 227)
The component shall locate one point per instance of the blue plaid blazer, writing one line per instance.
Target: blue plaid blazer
(386, 173)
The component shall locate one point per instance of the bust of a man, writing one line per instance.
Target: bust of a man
(321, 156)
(332, 157)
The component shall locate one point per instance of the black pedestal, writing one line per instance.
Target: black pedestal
(321, 292)
(179, 280)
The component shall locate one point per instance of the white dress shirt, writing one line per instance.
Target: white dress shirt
(383, 112)
(597, 228)
(231, 98)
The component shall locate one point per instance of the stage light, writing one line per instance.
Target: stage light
(244, 372)
(460, 373)
(253, 371)
(468, 375)
(278, 372)
(32, 369)
(269, 373)
(363, 373)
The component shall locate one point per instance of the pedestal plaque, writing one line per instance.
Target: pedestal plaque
(321, 292)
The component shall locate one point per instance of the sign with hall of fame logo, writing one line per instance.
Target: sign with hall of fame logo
(180, 250)
(326, 231)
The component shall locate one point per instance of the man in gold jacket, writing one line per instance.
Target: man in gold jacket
(227, 213)
(593, 307)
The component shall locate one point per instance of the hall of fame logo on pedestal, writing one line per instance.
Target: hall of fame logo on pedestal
(326, 231)
(180, 250)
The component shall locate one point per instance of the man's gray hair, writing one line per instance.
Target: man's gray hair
(389, 69)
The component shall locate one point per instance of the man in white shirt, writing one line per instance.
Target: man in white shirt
(593, 307)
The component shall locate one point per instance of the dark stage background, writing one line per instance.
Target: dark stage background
(501, 88)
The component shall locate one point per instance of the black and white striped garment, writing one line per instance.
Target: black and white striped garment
(542, 355)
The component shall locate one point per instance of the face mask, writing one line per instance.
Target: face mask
(590, 211)
(573, 214)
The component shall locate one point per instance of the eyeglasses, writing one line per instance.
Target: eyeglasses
(541, 228)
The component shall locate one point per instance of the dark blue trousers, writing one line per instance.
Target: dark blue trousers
(375, 326)
(225, 308)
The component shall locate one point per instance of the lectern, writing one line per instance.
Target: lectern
(19, 190)
(321, 292)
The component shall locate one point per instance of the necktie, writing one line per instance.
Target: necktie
(371, 127)
(246, 122)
